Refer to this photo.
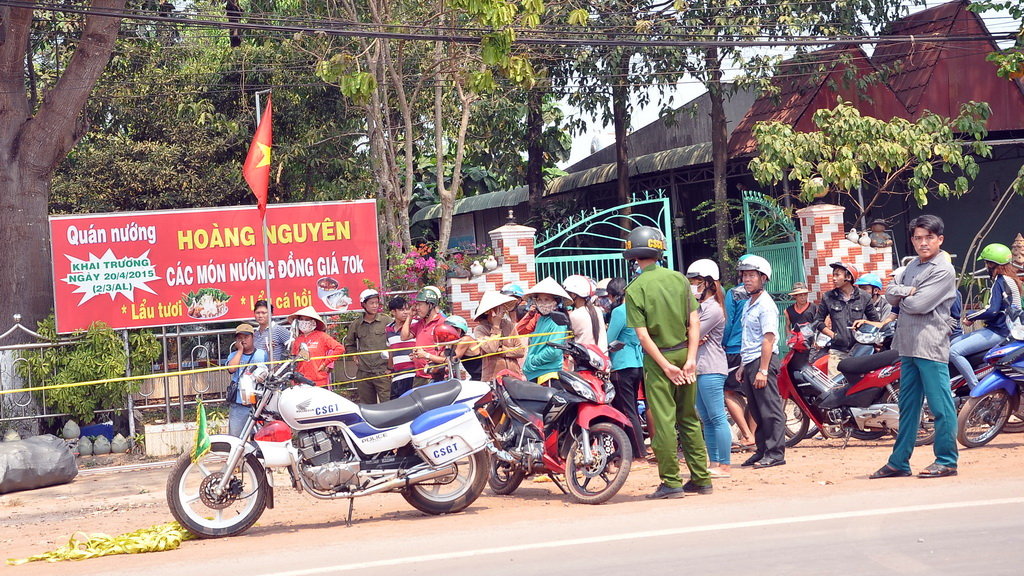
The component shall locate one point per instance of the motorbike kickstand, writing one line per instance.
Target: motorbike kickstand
(846, 437)
(351, 505)
(558, 483)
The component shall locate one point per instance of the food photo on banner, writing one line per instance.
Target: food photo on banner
(161, 268)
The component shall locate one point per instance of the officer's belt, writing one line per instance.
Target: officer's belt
(679, 346)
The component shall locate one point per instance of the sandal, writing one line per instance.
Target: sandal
(937, 470)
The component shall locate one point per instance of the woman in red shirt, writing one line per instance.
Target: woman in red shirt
(323, 349)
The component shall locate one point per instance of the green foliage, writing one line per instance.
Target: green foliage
(94, 354)
(173, 116)
(850, 151)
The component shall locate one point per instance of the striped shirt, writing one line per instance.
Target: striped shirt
(400, 359)
(922, 330)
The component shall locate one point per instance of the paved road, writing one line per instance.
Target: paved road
(910, 527)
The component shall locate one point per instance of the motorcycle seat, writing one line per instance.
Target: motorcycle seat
(527, 391)
(406, 408)
(855, 367)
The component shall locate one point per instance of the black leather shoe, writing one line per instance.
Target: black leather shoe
(769, 462)
(889, 472)
(752, 460)
(692, 488)
(664, 491)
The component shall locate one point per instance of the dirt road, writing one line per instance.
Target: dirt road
(817, 471)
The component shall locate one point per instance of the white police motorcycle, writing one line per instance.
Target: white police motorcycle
(428, 445)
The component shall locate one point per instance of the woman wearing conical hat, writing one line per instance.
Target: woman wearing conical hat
(496, 336)
(323, 349)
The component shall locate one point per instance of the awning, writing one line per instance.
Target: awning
(500, 199)
(683, 157)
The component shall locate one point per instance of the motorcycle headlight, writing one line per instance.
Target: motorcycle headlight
(573, 383)
(247, 388)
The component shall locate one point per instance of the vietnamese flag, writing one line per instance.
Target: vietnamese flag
(256, 169)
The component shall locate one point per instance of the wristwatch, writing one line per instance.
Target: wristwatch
(764, 372)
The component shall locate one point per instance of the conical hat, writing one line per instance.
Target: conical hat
(548, 286)
(490, 301)
(309, 312)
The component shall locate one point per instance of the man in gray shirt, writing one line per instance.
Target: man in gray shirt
(924, 296)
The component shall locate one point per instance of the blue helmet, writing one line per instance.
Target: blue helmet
(869, 279)
(512, 290)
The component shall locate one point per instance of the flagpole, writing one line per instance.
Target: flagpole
(266, 252)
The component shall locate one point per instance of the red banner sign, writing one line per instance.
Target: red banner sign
(144, 269)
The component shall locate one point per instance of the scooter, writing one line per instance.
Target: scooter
(567, 427)
(427, 445)
(997, 397)
(860, 403)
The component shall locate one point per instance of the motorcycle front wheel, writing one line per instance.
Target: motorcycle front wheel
(194, 504)
(982, 418)
(610, 459)
(452, 493)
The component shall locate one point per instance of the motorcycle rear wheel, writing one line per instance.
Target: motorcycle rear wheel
(982, 419)
(454, 493)
(612, 457)
(504, 478)
(193, 504)
(797, 422)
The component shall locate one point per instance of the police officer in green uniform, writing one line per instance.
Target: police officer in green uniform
(662, 309)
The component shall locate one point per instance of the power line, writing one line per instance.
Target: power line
(527, 37)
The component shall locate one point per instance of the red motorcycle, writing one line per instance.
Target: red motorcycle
(566, 427)
(860, 403)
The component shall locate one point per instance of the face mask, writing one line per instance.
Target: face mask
(697, 291)
(546, 308)
(306, 326)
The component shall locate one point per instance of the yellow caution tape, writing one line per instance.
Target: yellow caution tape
(83, 546)
(564, 335)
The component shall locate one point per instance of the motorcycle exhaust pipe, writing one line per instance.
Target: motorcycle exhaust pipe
(386, 485)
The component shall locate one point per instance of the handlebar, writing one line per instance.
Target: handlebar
(302, 379)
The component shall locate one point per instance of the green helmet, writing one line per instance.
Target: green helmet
(996, 253)
(644, 242)
(429, 294)
(458, 322)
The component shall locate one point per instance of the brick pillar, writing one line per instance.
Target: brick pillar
(513, 248)
(825, 242)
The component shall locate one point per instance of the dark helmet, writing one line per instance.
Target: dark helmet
(644, 242)
(429, 294)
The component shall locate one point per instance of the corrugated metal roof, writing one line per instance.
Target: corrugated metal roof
(648, 163)
(659, 161)
(799, 79)
(911, 64)
(499, 199)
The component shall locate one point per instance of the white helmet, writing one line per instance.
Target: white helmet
(703, 268)
(755, 262)
(897, 274)
(367, 294)
(578, 285)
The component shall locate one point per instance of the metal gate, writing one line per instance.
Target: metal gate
(772, 235)
(592, 244)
